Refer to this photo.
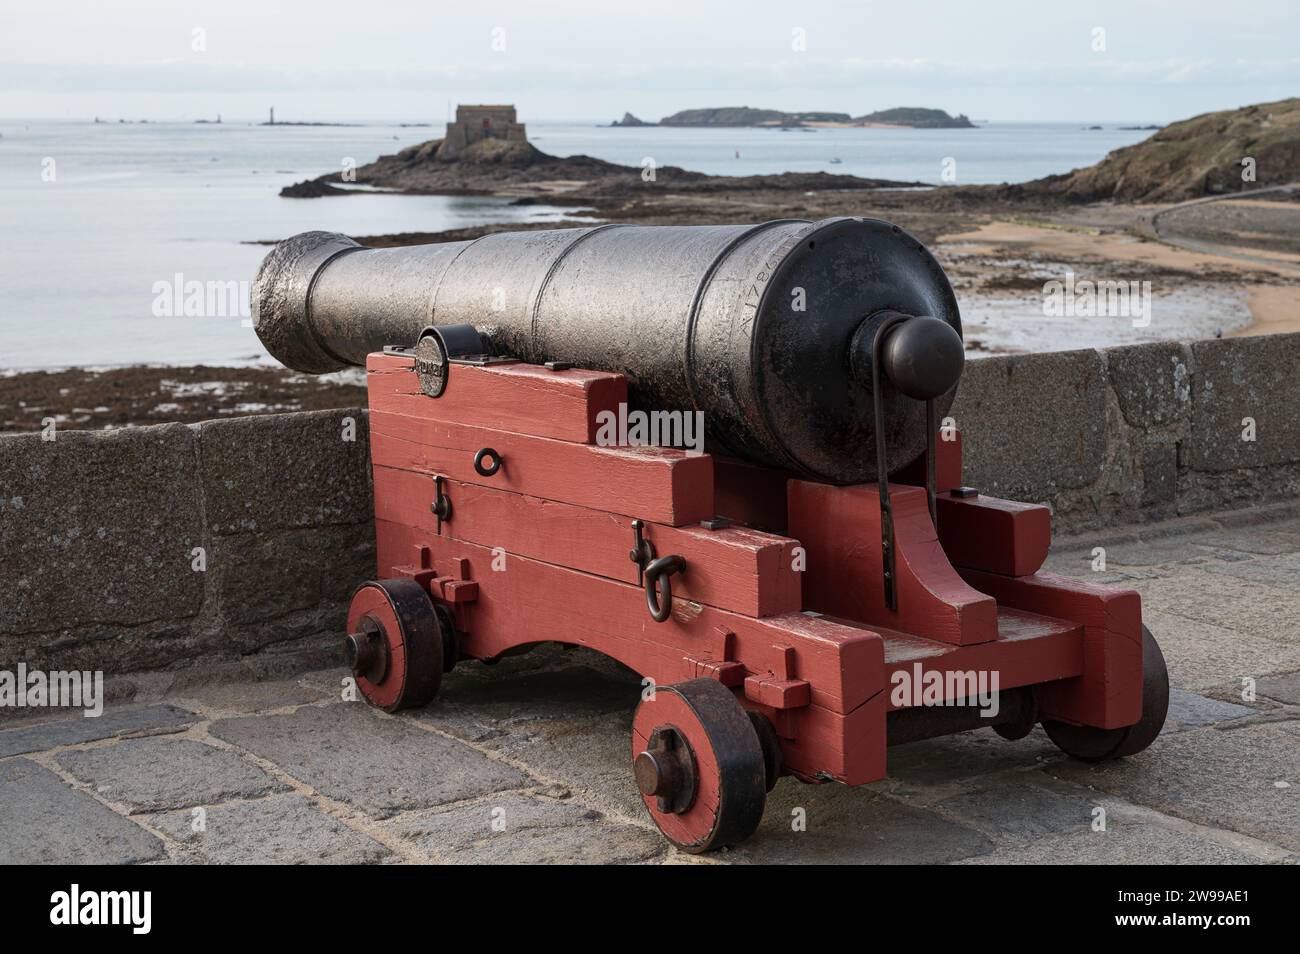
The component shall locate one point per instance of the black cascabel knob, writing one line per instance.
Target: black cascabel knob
(922, 357)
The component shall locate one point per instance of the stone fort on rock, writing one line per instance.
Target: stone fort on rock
(479, 122)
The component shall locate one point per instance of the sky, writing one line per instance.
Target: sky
(1134, 61)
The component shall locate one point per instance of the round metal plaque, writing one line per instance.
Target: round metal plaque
(431, 365)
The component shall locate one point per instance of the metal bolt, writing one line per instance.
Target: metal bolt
(360, 651)
(657, 773)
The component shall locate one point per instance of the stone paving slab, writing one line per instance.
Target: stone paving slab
(358, 756)
(1261, 541)
(1282, 570)
(1202, 655)
(1242, 606)
(920, 767)
(592, 757)
(1120, 844)
(1019, 812)
(1220, 593)
(79, 729)
(1187, 709)
(846, 825)
(44, 821)
(525, 829)
(1285, 688)
(1202, 637)
(1126, 553)
(150, 775)
(244, 698)
(570, 724)
(1244, 779)
(278, 830)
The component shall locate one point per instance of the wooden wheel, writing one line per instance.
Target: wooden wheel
(395, 644)
(1096, 745)
(699, 764)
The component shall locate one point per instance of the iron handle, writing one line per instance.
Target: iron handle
(484, 470)
(658, 578)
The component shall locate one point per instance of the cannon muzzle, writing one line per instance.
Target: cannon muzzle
(768, 329)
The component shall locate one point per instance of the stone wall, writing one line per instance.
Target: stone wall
(1138, 433)
(98, 530)
(147, 547)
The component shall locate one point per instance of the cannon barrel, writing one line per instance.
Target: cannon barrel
(767, 329)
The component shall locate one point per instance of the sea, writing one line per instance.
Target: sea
(106, 223)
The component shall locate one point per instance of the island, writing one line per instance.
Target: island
(747, 116)
(486, 151)
(630, 120)
(915, 118)
(736, 116)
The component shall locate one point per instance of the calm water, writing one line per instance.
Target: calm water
(132, 205)
(1001, 152)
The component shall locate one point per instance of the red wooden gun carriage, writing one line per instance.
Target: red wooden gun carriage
(816, 587)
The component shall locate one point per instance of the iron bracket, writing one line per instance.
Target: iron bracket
(882, 466)
(441, 505)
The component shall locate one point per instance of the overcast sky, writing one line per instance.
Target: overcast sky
(593, 59)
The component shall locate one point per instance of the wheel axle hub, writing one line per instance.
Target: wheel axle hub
(367, 651)
(665, 770)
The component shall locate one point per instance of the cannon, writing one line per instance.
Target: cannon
(765, 329)
(810, 585)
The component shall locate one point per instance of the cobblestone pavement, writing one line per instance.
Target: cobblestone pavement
(527, 761)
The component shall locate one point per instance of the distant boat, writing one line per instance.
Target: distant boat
(836, 161)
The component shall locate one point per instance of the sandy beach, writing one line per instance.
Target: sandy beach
(1260, 287)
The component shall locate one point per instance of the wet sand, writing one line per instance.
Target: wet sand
(1263, 286)
(81, 399)
(1276, 309)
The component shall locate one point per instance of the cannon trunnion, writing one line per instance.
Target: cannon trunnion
(799, 597)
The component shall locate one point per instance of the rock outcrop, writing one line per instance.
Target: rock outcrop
(630, 120)
(499, 167)
(1202, 156)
